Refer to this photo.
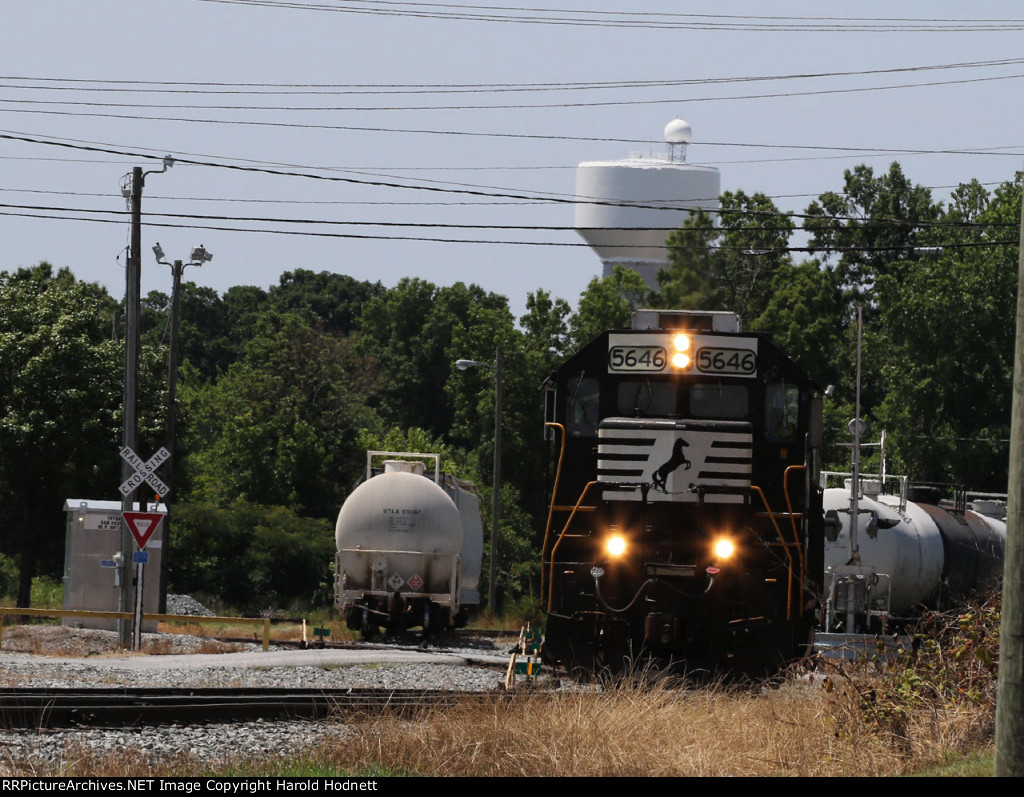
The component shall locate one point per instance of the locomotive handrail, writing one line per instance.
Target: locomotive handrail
(793, 516)
(558, 542)
(551, 509)
(785, 547)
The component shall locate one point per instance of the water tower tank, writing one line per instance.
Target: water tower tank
(657, 194)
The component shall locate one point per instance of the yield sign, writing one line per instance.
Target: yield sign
(142, 525)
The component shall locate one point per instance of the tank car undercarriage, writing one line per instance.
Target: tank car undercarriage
(393, 613)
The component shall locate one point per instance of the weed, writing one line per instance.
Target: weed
(942, 691)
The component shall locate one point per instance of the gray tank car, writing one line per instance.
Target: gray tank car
(409, 547)
(913, 552)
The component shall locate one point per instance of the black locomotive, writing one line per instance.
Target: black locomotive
(685, 521)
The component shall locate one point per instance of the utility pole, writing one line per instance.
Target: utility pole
(130, 433)
(1009, 758)
(499, 389)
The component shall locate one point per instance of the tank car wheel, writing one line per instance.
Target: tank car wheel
(440, 621)
(370, 630)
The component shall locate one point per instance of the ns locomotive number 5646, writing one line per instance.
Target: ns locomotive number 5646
(685, 521)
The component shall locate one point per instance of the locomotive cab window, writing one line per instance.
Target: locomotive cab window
(781, 412)
(646, 398)
(719, 401)
(582, 406)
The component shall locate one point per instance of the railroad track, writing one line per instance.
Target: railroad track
(123, 706)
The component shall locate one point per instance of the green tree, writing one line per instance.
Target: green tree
(948, 319)
(337, 300)
(280, 427)
(805, 314)
(546, 327)
(408, 331)
(608, 303)
(61, 384)
(731, 265)
(871, 228)
(252, 558)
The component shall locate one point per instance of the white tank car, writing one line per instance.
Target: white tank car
(409, 547)
(913, 553)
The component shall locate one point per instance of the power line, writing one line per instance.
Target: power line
(429, 203)
(392, 237)
(661, 205)
(494, 107)
(865, 226)
(331, 89)
(642, 20)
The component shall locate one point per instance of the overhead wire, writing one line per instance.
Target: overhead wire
(446, 190)
(865, 225)
(420, 238)
(193, 88)
(493, 107)
(641, 20)
(280, 201)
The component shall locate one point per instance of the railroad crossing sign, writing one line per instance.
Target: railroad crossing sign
(142, 525)
(145, 471)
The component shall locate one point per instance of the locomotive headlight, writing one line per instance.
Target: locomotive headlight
(724, 548)
(681, 347)
(615, 545)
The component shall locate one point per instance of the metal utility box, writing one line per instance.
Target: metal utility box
(94, 562)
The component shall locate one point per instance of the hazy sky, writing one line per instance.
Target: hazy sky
(503, 101)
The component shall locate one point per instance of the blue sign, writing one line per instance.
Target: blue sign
(140, 557)
(108, 563)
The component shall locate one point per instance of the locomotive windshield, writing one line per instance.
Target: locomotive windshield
(650, 398)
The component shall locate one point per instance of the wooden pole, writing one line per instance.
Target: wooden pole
(1009, 758)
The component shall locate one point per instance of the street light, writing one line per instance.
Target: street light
(199, 256)
(464, 365)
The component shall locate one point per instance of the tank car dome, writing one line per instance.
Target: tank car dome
(399, 512)
(678, 132)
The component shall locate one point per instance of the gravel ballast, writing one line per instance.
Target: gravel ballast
(23, 752)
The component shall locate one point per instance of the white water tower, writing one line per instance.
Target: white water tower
(626, 209)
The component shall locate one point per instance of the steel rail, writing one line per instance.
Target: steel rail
(122, 706)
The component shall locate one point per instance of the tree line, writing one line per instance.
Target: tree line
(284, 389)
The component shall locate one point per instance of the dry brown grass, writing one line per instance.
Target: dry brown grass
(797, 730)
(630, 731)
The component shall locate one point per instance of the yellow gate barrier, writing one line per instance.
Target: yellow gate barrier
(168, 618)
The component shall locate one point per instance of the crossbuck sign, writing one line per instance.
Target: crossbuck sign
(145, 471)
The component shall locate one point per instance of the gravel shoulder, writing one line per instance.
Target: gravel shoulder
(55, 657)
